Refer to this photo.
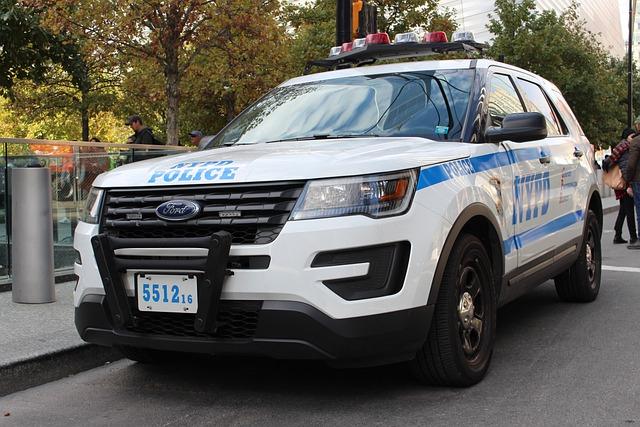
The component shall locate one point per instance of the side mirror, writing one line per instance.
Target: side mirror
(518, 127)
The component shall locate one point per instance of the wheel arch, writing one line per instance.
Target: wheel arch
(476, 219)
(595, 204)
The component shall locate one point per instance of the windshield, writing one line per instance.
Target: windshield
(430, 104)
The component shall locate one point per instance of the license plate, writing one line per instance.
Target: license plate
(168, 293)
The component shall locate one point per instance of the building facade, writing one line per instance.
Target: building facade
(636, 35)
(601, 16)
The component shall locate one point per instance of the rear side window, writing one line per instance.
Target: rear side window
(537, 101)
(567, 118)
(503, 99)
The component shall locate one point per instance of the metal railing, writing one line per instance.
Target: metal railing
(73, 165)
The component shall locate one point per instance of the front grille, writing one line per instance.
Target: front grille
(263, 210)
(236, 320)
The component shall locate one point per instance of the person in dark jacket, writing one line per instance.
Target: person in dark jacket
(620, 156)
(631, 174)
(143, 134)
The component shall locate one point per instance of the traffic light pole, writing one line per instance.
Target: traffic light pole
(630, 68)
(343, 21)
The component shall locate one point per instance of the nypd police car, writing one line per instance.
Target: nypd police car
(363, 216)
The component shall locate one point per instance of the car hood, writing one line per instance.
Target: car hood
(285, 161)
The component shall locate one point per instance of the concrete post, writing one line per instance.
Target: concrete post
(32, 236)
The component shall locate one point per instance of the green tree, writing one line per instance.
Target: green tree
(245, 55)
(164, 32)
(25, 47)
(80, 88)
(167, 37)
(400, 16)
(560, 49)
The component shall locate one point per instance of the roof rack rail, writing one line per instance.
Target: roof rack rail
(370, 53)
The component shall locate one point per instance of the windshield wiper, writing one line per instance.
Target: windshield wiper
(324, 136)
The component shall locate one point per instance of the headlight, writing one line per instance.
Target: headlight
(375, 196)
(91, 211)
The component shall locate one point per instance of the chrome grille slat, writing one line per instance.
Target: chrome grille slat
(263, 210)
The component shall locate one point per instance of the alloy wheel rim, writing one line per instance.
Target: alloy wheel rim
(590, 258)
(470, 310)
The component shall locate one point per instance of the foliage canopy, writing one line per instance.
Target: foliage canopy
(75, 68)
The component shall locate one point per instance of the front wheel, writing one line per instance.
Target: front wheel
(459, 346)
(581, 282)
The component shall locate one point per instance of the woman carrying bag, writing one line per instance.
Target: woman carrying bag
(618, 160)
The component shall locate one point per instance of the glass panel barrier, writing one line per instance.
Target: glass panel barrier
(74, 166)
(4, 199)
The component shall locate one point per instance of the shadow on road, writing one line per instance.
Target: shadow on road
(234, 374)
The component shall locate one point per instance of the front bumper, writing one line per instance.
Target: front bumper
(311, 287)
(281, 329)
(293, 270)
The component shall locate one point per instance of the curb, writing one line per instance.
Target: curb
(62, 278)
(610, 209)
(52, 366)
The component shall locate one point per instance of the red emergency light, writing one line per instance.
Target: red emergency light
(347, 47)
(436, 37)
(378, 38)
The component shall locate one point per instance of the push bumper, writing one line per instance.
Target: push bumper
(283, 330)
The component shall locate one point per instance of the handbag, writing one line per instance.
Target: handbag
(613, 178)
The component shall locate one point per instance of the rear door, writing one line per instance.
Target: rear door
(564, 215)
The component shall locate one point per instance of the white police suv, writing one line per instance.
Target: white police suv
(362, 216)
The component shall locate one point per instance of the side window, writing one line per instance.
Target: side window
(537, 101)
(503, 99)
(567, 119)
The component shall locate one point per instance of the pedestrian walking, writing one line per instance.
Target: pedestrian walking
(196, 137)
(143, 134)
(631, 174)
(620, 156)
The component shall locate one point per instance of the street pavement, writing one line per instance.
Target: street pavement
(39, 342)
(554, 364)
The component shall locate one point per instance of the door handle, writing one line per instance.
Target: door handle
(578, 153)
(544, 158)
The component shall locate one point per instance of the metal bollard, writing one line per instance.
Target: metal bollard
(32, 236)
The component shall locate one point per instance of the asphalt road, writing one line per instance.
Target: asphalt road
(554, 364)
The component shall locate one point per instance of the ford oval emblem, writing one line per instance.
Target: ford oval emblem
(178, 210)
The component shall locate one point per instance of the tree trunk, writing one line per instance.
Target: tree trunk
(171, 46)
(172, 91)
(84, 112)
(229, 101)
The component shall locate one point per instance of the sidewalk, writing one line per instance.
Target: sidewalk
(609, 204)
(39, 342)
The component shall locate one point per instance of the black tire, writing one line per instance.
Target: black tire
(147, 355)
(581, 282)
(458, 352)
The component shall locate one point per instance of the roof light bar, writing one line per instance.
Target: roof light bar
(463, 36)
(377, 46)
(436, 37)
(347, 47)
(335, 51)
(359, 43)
(378, 38)
(410, 37)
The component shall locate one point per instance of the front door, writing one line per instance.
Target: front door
(530, 181)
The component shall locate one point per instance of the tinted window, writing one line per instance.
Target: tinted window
(429, 104)
(537, 101)
(503, 99)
